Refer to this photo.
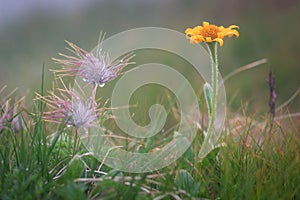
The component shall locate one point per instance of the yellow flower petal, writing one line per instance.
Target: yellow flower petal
(188, 31)
(197, 39)
(236, 33)
(219, 40)
(208, 39)
(205, 24)
(233, 27)
(221, 35)
(231, 33)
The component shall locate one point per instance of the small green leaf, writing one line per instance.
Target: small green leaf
(70, 191)
(208, 96)
(185, 181)
(74, 170)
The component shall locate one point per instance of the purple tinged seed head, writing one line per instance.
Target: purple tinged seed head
(11, 114)
(72, 109)
(96, 70)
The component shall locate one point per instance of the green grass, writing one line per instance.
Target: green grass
(37, 163)
(34, 166)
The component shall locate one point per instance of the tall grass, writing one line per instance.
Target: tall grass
(34, 166)
(260, 160)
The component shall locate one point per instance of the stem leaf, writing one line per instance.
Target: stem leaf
(208, 97)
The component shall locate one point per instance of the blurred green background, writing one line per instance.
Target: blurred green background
(33, 31)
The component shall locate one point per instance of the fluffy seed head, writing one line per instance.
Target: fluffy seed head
(11, 115)
(96, 70)
(70, 108)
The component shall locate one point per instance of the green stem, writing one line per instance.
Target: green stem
(75, 141)
(212, 48)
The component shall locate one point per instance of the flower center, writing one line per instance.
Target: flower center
(210, 31)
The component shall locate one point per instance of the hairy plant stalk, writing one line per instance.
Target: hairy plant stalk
(207, 146)
(75, 133)
(212, 48)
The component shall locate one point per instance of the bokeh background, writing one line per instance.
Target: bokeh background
(33, 31)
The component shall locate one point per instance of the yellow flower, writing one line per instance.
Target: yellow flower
(210, 33)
